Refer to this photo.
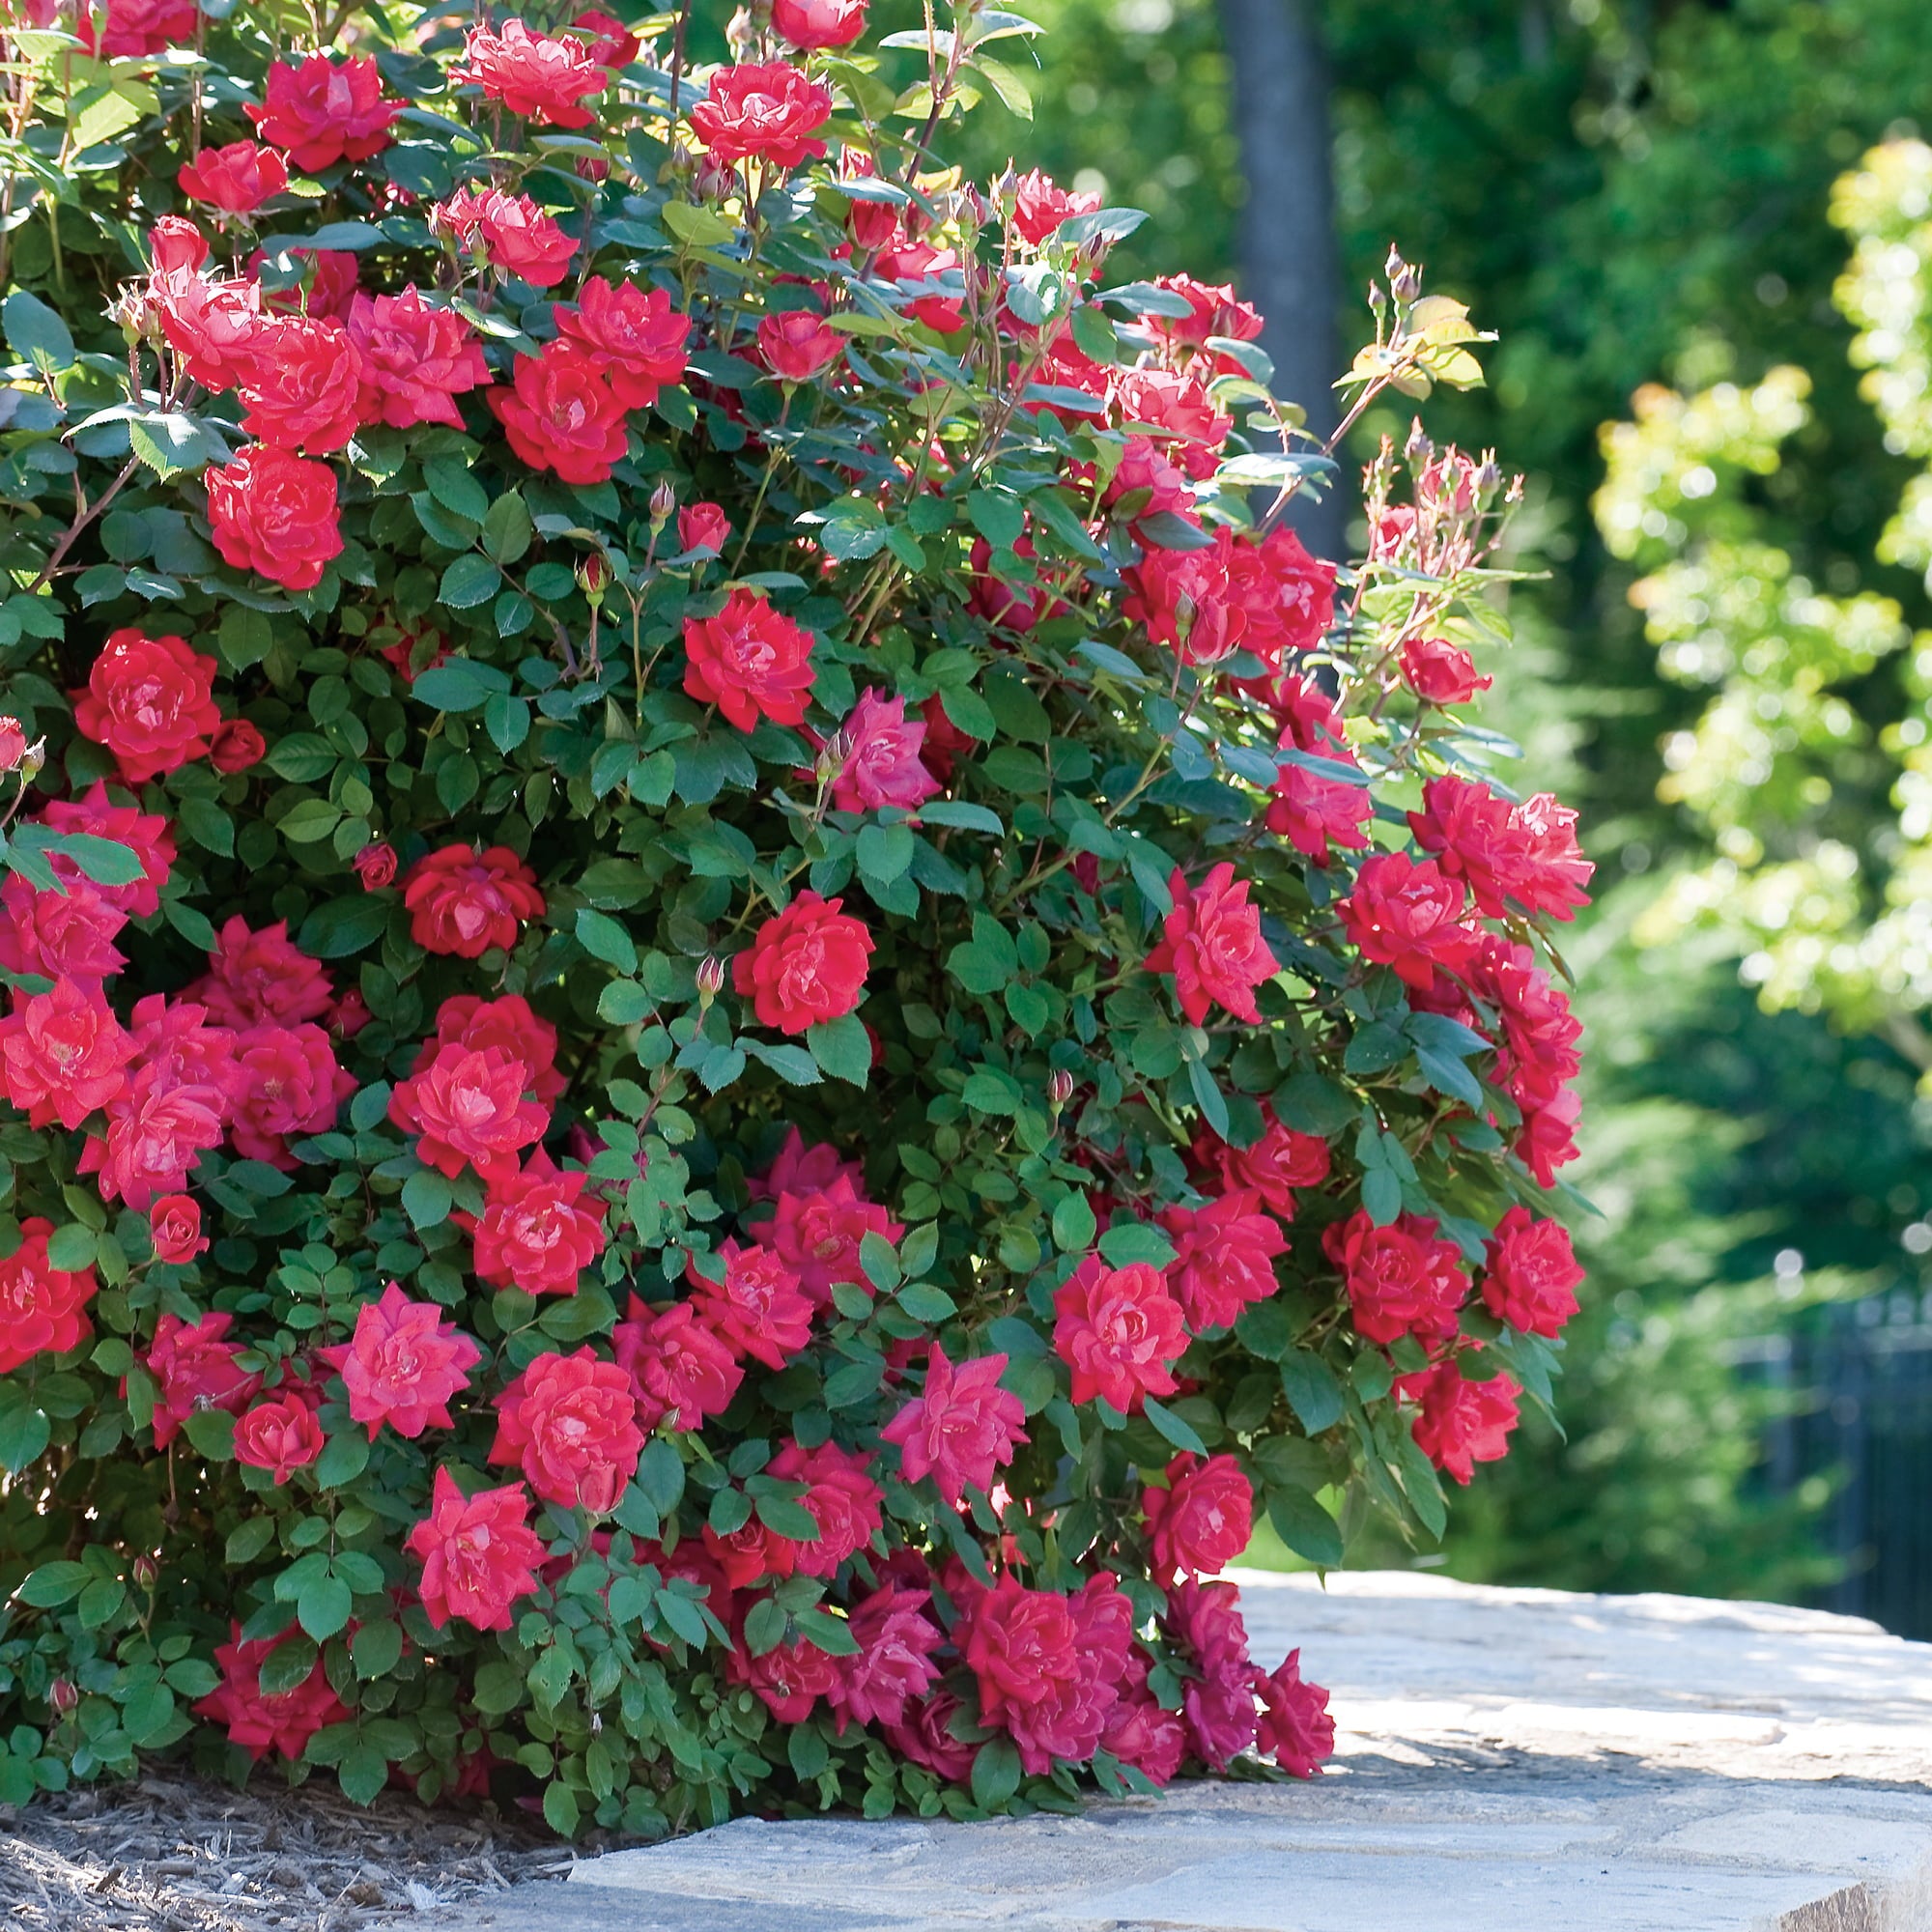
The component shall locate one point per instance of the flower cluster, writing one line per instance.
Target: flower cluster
(737, 1009)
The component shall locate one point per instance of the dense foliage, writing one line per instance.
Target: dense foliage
(736, 1002)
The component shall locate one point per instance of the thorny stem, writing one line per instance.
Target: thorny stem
(84, 514)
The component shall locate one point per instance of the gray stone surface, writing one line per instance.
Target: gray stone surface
(1509, 1761)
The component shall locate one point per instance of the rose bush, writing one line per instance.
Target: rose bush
(737, 1007)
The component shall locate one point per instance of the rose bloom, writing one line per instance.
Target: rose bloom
(211, 325)
(702, 527)
(634, 334)
(1203, 1520)
(1409, 915)
(561, 413)
(1218, 1706)
(749, 660)
(818, 1234)
(157, 1130)
(145, 835)
(766, 113)
(1440, 673)
(478, 1553)
(931, 278)
(1288, 596)
(540, 78)
(613, 44)
(894, 1664)
(260, 978)
(281, 1435)
(1211, 943)
(237, 746)
(534, 1234)
(194, 1364)
(237, 179)
(257, 1721)
(466, 1020)
(840, 1497)
(63, 1054)
(1533, 1274)
(813, 24)
(1401, 1280)
(961, 1427)
(1120, 1331)
(12, 744)
(1224, 1257)
(468, 1108)
(42, 1309)
(1459, 1422)
(303, 389)
(322, 112)
(1313, 811)
(291, 1088)
(401, 1364)
(1048, 1666)
(174, 1222)
(925, 1737)
(803, 1167)
(681, 1371)
(1161, 399)
(274, 514)
(60, 935)
(568, 1421)
(1039, 207)
(759, 1309)
(413, 360)
(750, 1553)
(328, 287)
(1294, 1727)
(174, 243)
(1275, 1167)
(376, 866)
(464, 901)
(1139, 1731)
(132, 29)
(1012, 604)
(805, 965)
(1211, 310)
(150, 701)
(798, 345)
(881, 765)
(520, 238)
(788, 1679)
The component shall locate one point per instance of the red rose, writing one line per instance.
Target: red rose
(798, 345)
(237, 179)
(1185, 599)
(703, 527)
(813, 24)
(464, 901)
(303, 388)
(174, 1221)
(260, 978)
(1164, 400)
(413, 360)
(534, 1234)
(1211, 311)
(568, 1422)
(257, 1721)
(1533, 1274)
(1409, 915)
(1288, 596)
(1211, 943)
(149, 701)
(818, 1234)
(194, 1365)
(237, 746)
(806, 965)
(1401, 1280)
(961, 1427)
(531, 75)
(613, 44)
(1218, 1703)
(840, 1497)
(14, 737)
(145, 834)
(759, 1308)
(1295, 1728)
(931, 278)
(401, 1364)
(274, 514)
(767, 113)
(1313, 811)
(517, 236)
(289, 1087)
(376, 866)
(1048, 1666)
(176, 242)
(1504, 851)
(1224, 1259)
(468, 1108)
(1461, 1423)
(894, 1665)
(748, 660)
(1440, 673)
(328, 287)
(322, 112)
(1039, 207)
(1120, 1331)
(750, 1553)
(1139, 1731)
(280, 1434)
(42, 1309)
(634, 333)
(882, 763)
(63, 1054)
(211, 325)
(509, 1023)
(562, 414)
(1203, 1520)
(157, 1130)
(479, 1553)
(789, 1679)
(68, 934)
(1275, 1166)
(132, 29)
(926, 1736)
(681, 1371)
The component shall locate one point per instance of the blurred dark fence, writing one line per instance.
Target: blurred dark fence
(1862, 1371)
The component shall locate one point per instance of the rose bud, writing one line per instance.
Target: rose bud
(236, 745)
(798, 345)
(62, 1697)
(376, 866)
(703, 527)
(664, 500)
(710, 978)
(147, 1573)
(1060, 1088)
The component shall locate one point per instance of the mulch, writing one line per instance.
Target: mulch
(182, 1854)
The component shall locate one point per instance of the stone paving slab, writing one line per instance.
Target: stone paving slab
(1509, 1761)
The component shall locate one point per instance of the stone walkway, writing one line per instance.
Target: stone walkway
(1509, 1761)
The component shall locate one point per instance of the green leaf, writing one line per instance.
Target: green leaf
(53, 1584)
(603, 938)
(793, 1065)
(1073, 1225)
(461, 683)
(1304, 1526)
(71, 1249)
(508, 528)
(362, 1773)
(212, 1431)
(376, 1648)
(36, 334)
(468, 582)
(996, 1773)
(1172, 1426)
(1312, 1389)
(843, 1049)
(427, 1198)
(343, 1458)
(624, 1002)
(105, 861)
(323, 1605)
(340, 927)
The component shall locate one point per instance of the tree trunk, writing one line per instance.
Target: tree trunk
(1288, 254)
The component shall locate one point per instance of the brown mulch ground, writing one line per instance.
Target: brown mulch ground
(180, 1854)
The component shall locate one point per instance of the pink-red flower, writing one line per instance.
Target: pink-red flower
(881, 763)
(634, 334)
(1187, 601)
(839, 1497)
(145, 835)
(894, 1665)
(561, 413)
(767, 113)
(275, 514)
(401, 1364)
(1315, 812)
(1401, 1280)
(1203, 1520)
(237, 179)
(259, 1721)
(569, 1421)
(1224, 1257)
(1277, 1167)
(1039, 207)
(1460, 1423)
(211, 325)
(261, 979)
(479, 1553)
(789, 1679)
(303, 389)
(1211, 943)
(412, 359)
(805, 965)
(1526, 853)
(1441, 673)
(680, 1369)
(376, 866)
(543, 79)
(132, 29)
(470, 1108)
(173, 1223)
(42, 1308)
(961, 1427)
(60, 935)
(509, 1022)
(749, 660)
(194, 1365)
(1288, 596)
(464, 901)
(1218, 1703)
(280, 1434)
(515, 234)
(1139, 1731)
(798, 345)
(322, 112)
(759, 1308)
(1048, 1666)
(702, 528)
(1533, 1274)
(534, 1233)
(63, 1054)
(817, 1236)
(1294, 1727)
(1120, 1331)
(289, 1087)
(814, 24)
(150, 700)
(237, 746)
(1407, 915)
(157, 1130)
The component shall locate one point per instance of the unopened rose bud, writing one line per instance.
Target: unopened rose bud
(12, 744)
(1418, 449)
(832, 755)
(1060, 1088)
(664, 500)
(1405, 281)
(62, 1697)
(593, 576)
(741, 33)
(710, 978)
(596, 1723)
(1488, 472)
(146, 1574)
(1183, 616)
